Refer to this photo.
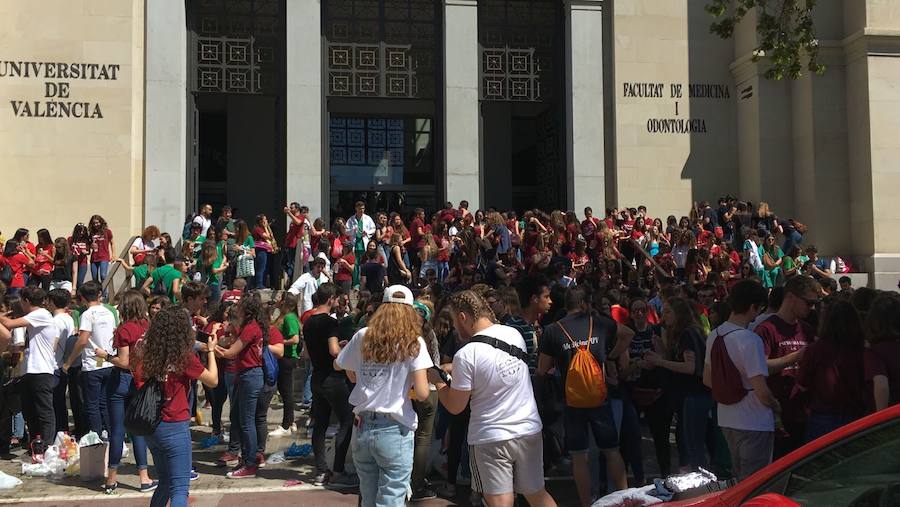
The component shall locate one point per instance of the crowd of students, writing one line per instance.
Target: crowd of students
(511, 340)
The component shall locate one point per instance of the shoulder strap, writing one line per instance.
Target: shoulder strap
(569, 336)
(500, 345)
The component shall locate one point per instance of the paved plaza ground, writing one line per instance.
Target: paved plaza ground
(214, 489)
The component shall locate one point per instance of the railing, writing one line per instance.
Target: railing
(110, 288)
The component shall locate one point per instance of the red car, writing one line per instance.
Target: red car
(857, 465)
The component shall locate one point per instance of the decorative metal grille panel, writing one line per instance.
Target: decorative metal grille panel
(518, 40)
(227, 65)
(238, 46)
(381, 48)
(371, 70)
(510, 74)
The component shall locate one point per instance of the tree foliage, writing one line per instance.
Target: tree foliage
(787, 35)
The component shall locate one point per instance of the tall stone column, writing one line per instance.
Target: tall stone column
(305, 106)
(165, 116)
(584, 105)
(462, 144)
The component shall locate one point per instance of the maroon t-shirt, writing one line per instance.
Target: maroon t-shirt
(176, 407)
(100, 245)
(251, 355)
(884, 359)
(417, 240)
(834, 379)
(130, 332)
(780, 339)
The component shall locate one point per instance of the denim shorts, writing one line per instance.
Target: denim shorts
(579, 422)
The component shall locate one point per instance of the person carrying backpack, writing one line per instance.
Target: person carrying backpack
(577, 346)
(491, 369)
(736, 372)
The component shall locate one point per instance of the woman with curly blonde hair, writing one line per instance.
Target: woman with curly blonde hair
(386, 359)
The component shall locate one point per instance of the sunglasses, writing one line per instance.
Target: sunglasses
(811, 302)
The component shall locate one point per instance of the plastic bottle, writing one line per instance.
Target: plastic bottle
(37, 449)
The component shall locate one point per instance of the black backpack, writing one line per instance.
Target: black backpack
(6, 274)
(144, 411)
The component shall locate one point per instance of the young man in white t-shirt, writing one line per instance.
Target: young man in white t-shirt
(40, 378)
(749, 424)
(505, 441)
(58, 304)
(307, 284)
(94, 332)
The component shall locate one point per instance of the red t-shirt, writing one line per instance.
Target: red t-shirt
(232, 296)
(81, 250)
(417, 240)
(307, 314)
(834, 378)
(251, 355)
(177, 408)
(341, 273)
(884, 359)
(129, 333)
(100, 245)
(780, 339)
(17, 263)
(43, 261)
(275, 336)
(620, 314)
(259, 241)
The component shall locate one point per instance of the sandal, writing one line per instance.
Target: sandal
(110, 489)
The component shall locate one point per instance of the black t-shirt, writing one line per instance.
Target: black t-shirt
(682, 384)
(556, 344)
(62, 271)
(374, 273)
(316, 332)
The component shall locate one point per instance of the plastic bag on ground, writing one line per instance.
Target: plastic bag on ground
(276, 458)
(633, 497)
(298, 451)
(8, 481)
(53, 465)
(91, 438)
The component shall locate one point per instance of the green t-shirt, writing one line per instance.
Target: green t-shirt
(229, 226)
(207, 274)
(141, 274)
(249, 243)
(290, 327)
(166, 275)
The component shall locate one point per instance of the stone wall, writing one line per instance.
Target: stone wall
(71, 101)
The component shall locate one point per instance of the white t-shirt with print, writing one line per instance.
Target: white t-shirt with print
(745, 348)
(42, 338)
(383, 388)
(101, 323)
(502, 398)
(65, 325)
(204, 222)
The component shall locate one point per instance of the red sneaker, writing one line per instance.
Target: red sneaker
(260, 460)
(244, 472)
(226, 459)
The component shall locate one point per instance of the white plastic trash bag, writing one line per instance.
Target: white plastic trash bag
(8, 481)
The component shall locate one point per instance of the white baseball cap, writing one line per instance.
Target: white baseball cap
(392, 295)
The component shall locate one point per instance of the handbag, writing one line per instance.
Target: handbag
(144, 411)
(245, 266)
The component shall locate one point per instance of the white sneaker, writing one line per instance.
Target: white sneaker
(280, 432)
(293, 428)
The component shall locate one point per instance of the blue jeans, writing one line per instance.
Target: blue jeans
(119, 390)
(307, 386)
(261, 263)
(99, 270)
(18, 425)
(693, 423)
(82, 273)
(820, 424)
(234, 414)
(383, 455)
(93, 388)
(250, 385)
(443, 270)
(171, 448)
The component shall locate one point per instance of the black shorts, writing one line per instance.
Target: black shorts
(579, 422)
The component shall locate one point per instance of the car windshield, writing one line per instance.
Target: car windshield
(860, 471)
